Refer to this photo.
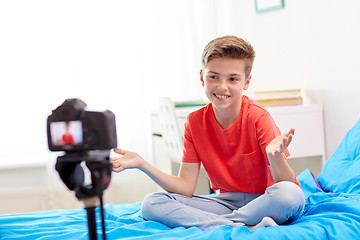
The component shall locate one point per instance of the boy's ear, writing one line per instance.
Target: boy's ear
(247, 83)
(202, 78)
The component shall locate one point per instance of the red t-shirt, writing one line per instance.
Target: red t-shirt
(68, 139)
(235, 158)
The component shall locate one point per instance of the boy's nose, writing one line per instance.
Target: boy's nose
(222, 85)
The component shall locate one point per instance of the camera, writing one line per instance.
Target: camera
(84, 136)
(72, 128)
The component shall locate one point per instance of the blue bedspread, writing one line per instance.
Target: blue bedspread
(327, 216)
(330, 214)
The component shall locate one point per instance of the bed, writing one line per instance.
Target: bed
(332, 211)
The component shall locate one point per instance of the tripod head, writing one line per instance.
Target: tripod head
(72, 174)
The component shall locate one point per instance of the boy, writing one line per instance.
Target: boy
(240, 148)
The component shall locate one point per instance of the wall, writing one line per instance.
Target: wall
(36, 189)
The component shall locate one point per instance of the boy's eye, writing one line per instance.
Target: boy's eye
(213, 77)
(234, 79)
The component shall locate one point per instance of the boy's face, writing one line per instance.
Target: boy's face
(224, 81)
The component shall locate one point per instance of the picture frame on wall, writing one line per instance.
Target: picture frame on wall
(262, 6)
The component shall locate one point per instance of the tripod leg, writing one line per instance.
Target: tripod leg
(91, 223)
(102, 218)
(90, 205)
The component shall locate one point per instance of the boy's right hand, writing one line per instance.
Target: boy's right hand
(127, 160)
(280, 143)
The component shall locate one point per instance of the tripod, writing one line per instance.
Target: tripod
(72, 175)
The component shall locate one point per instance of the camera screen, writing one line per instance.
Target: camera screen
(66, 133)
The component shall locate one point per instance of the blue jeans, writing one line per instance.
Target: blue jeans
(283, 201)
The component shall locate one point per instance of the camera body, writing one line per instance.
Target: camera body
(72, 128)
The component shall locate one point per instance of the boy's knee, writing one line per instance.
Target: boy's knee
(289, 196)
(287, 192)
(151, 204)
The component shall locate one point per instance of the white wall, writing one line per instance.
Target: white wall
(121, 55)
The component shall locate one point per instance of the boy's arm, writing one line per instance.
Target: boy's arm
(183, 184)
(280, 169)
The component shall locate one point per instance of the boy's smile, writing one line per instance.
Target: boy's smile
(221, 96)
(224, 81)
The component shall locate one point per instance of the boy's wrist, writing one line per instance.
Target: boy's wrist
(143, 164)
(275, 157)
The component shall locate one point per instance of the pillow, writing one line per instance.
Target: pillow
(308, 183)
(341, 172)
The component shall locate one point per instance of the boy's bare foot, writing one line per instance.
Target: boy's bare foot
(265, 222)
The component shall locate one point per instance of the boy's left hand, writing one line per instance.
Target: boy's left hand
(280, 143)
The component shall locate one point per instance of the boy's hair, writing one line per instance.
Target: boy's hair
(229, 47)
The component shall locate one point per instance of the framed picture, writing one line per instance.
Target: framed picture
(268, 5)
